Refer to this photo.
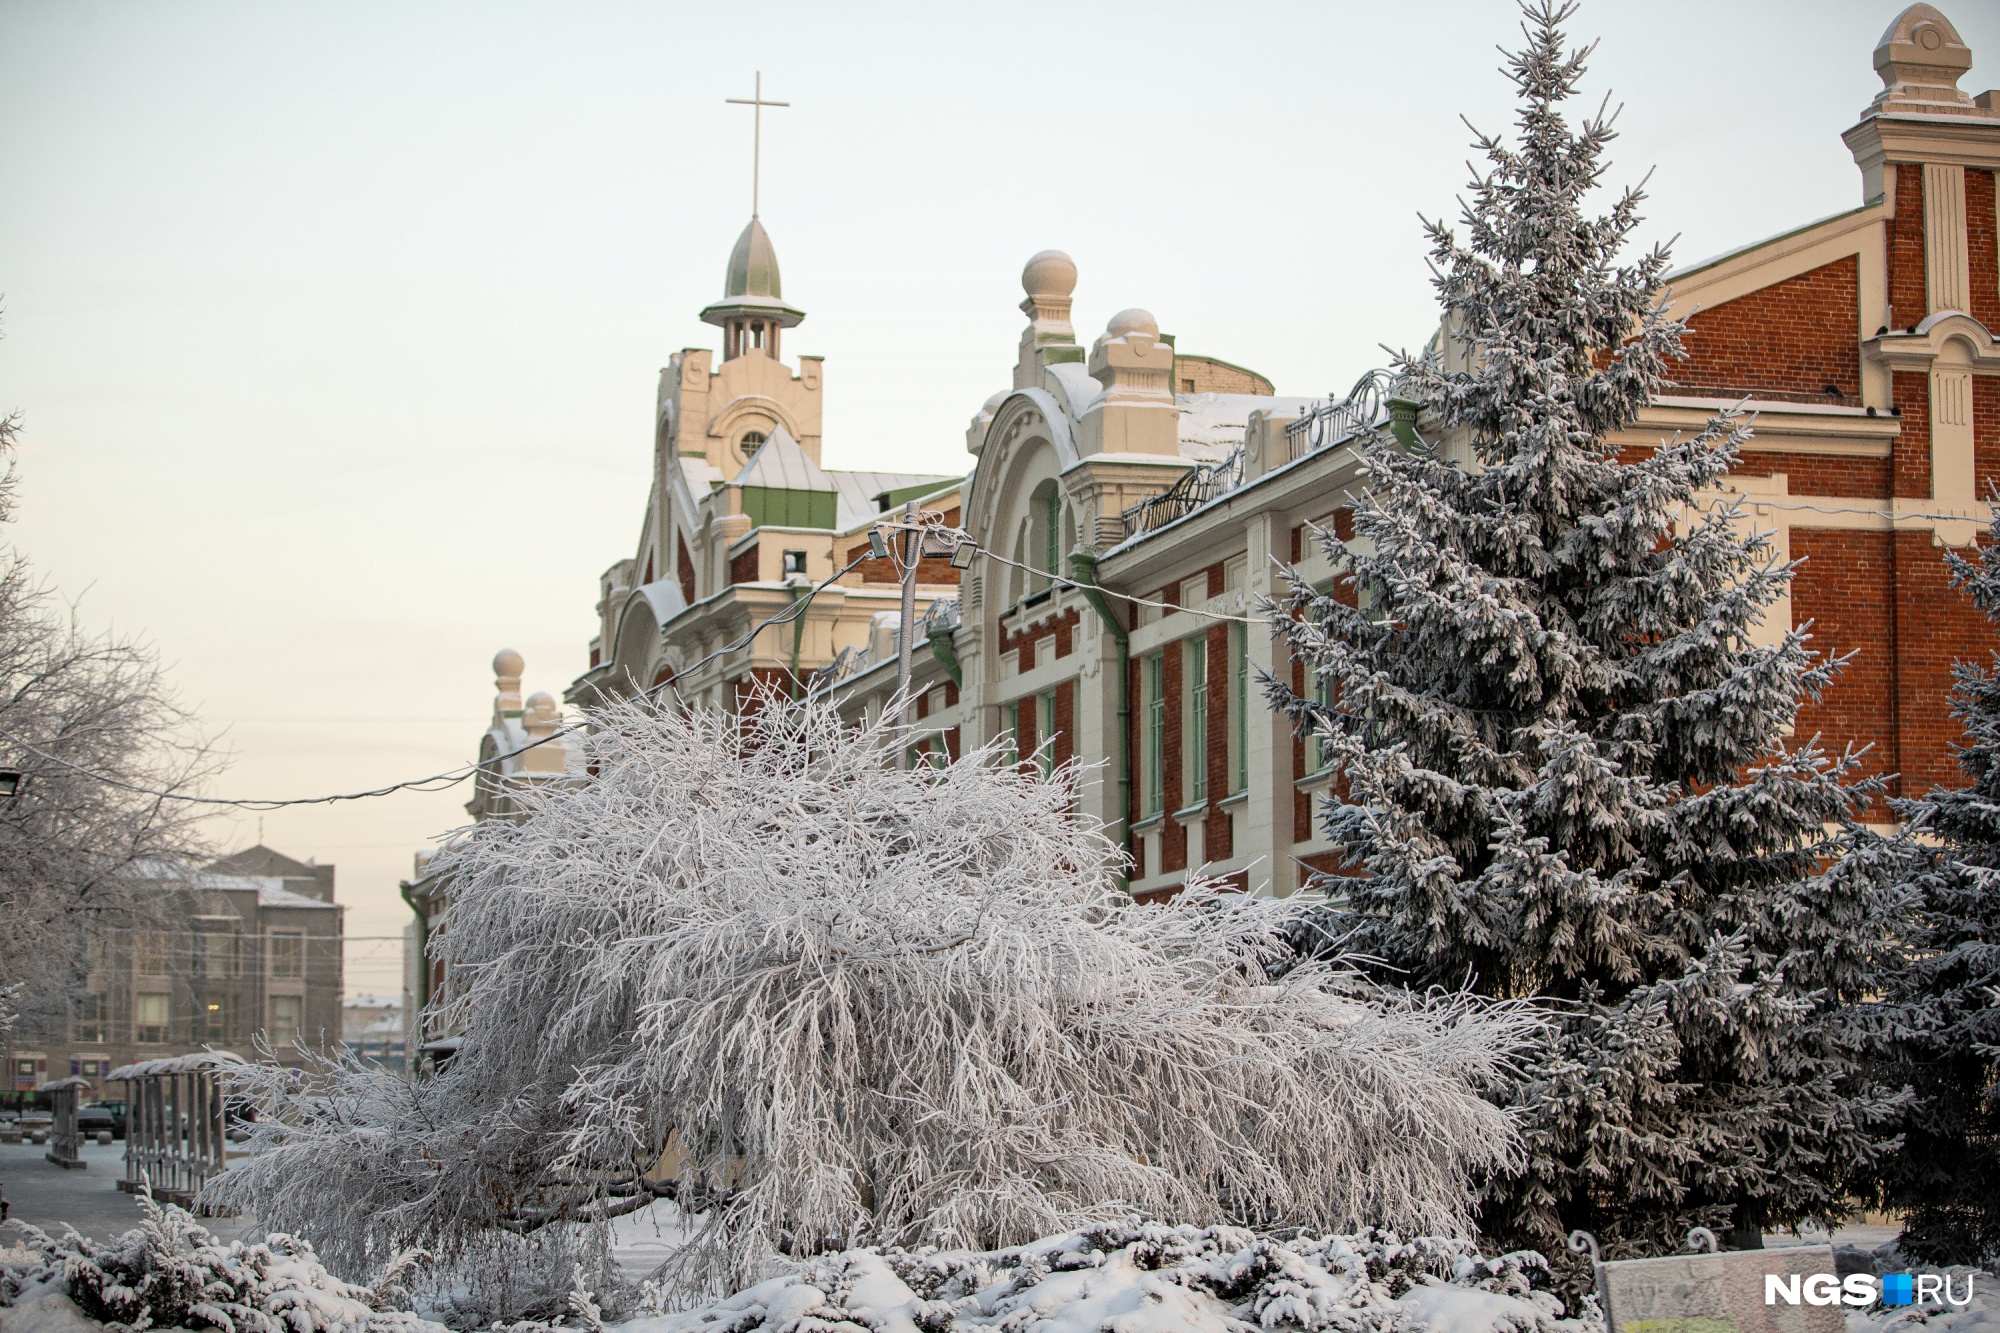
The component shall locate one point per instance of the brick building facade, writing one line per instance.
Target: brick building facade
(1864, 343)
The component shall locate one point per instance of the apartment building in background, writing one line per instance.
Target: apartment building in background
(246, 950)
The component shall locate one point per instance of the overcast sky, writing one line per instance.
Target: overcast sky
(336, 327)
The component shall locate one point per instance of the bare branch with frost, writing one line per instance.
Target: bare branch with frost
(753, 966)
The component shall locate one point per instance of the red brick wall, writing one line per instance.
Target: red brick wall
(744, 688)
(1817, 474)
(1907, 298)
(1985, 433)
(743, 568)
(1027, 729)
(1217, 830)
(1982, 234)
(1792, 339)
(1846, 590)
(1935, 627)
(1135, 847)
(1912, 450)
(1887, 598)
(1061, 628)
(930, 569)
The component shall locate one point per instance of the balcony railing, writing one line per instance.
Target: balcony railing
(1366, 405)
(1193, 489)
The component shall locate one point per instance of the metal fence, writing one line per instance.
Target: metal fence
(1193, 489)
(1365, 407)
(1328, 423)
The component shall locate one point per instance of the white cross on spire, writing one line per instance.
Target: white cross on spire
(756, 100)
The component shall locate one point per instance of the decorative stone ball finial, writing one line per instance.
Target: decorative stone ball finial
(1920, 59)
(507, 667)
(542, 710)
(1128, 322)
(1049, 274)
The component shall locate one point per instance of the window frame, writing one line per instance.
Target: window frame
(1153, 734)
(1239, 709)
(1194, 718)
(271, 968)
(271, 1029)
(142, 1030)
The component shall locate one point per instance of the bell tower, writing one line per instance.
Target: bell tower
(752, 310)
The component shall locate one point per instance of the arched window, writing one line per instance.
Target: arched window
(1045, 530)
(750, 441)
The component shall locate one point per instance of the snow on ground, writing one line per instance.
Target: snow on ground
(642, 1241)
(1135, 1277)
(1123, 1277)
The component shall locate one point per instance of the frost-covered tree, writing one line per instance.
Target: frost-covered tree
(752, 966)
(1946, 1179)
(1565, 768)
(76, 702)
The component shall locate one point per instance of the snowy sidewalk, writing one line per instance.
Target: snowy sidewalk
(42, 1193)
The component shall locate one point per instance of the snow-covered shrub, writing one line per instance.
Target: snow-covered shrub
(170, 1272)
(752, 965)
(1138, 1277)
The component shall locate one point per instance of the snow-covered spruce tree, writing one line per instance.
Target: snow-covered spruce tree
(1946, 1178)
(751, 966)
(1565, 768)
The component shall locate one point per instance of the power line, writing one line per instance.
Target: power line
(451, 776)
(1067, 581)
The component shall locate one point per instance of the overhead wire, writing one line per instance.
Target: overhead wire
(452, 776)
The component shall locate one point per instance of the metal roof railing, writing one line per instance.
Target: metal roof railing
(1365, 406)
(1190, 491)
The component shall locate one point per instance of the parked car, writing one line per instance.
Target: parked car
(96, 1117)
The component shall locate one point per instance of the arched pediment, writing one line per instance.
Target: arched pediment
(1029, 421)
(1949, 335)
(636, 646)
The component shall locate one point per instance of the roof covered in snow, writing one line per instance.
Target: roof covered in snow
(1212, 424)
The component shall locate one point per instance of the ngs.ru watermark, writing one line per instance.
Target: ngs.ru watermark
(1867, 1289)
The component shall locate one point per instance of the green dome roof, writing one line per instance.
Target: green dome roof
(753, 266)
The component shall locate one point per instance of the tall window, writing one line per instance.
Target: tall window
(155, 950)
(287, 1011)
(1322, 752)
(90, 1017)
(1194, 731)
(1239, 708)
(211, 1019)
(1154, 742)
(288, 955)
(151, 1014)
(1044, 544)
(1052, 530)
(1045, 731)
(217, 954)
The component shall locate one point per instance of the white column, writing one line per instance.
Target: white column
(1267, 737)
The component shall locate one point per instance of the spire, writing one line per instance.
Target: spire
(752, 309)
(753, 265)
